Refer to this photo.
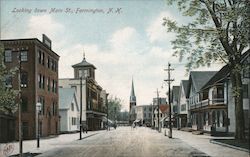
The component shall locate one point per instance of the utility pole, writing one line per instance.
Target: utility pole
(20, 106)
(81, 107)
(169, 80)
(158, 104)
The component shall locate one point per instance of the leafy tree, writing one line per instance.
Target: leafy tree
(114, 107)
(123, 116)
(219, 31)
(7, 95)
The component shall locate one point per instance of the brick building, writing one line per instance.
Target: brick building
(39, 79)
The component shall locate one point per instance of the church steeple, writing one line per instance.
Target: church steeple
(132, 93)
(132, 104)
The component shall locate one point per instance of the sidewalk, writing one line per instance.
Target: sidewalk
(202, 143)
(45, 143)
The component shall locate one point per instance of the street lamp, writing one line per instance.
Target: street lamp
(38, 109)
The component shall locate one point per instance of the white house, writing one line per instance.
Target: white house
(197, 79)
(215, 109)
(68, 110)
(183, 110)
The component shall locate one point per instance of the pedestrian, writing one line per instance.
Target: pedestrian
(132, 126)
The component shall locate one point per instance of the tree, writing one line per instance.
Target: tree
(7, 95)
(219, 31)
(114, 107)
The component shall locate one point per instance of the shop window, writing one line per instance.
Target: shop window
(8, 56)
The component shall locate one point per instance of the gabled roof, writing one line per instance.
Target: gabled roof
(184, 84)
(176, 92)
(199, 79)
(223, 73)
(66, 96)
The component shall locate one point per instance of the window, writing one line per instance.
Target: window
(8, 81)
(48, 62)
(73, 121)
(48, 84)
(41, 81)
(56, 65)
(72, 106)
(8, 56)
(41, 57)
(24, 104)
(183, 107)
(55, 86)
(218, 118)
(24, 79)
(24, 56)
(53, 109)
(245, 91)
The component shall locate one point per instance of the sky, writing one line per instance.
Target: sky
(124, 39)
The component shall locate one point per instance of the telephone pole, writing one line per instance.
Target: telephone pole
(169, 80)
(158, 104)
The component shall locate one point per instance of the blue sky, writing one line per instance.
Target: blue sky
(131, 43)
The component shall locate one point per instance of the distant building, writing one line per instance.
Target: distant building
(39, 79)
(68, 110)
(132, 105)
(144, 114)
(94, 109)
(163, 115)
(175, 104)
(183, 109)
(161, 101)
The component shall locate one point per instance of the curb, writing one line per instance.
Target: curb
(89, 135)
(230, 146)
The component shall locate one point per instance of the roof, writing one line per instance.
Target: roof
(184, 84)
(66, 95)
(84, 63)
(223, 73)
(30, 39)
(199, 79)
(164, 108)
(176, 92)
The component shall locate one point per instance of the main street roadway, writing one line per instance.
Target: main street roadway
(126, 142)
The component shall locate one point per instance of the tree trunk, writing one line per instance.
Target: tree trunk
(237, 93)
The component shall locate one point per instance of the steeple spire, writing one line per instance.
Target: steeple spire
(83, 54)
(132, 93)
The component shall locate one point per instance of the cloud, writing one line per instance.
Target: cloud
(157, 32)
(43, 24)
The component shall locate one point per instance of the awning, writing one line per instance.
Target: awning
(105, 120)
(137, 120)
